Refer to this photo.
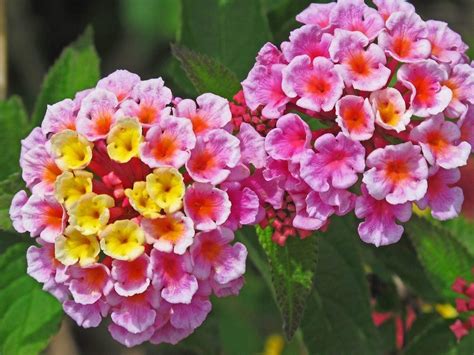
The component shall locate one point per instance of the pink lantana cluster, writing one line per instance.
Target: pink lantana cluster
(464, 306)
(374, 111)
(134, 200)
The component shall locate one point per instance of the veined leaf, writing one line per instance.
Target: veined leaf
(441, 254)
(338, 315)
(232, 31)
(292, 268)
(76, 69)
(206, 74)
(29, 316)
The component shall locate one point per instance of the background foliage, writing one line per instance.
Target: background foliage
(318, 293)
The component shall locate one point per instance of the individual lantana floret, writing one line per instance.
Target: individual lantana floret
(387, 101)
(122, 178)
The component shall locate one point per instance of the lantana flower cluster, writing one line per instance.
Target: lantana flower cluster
(374, 114)
(134, 199)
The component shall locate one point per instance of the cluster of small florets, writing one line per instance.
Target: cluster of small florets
(465, 306)
(135, 196)
(374, 114)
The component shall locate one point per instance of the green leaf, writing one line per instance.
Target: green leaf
(76, 69)
(232, 31)
(8, 188)
(13, 127)
(205, 73)
(442, 255)
(29, 316)
(338, 315)
(461, 229)
(292, 268)
(401, 259)
(430, 334)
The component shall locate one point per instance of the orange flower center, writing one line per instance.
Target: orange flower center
(402, 46)
(199, 124)
(397, 171)
(165, 147)
(211, 250)
(147, 114)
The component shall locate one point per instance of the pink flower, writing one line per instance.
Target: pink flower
(262, 87)
(466, 125)
(317, 14)
(129, 339)
(35, 138)
(309, 40)
(169, 334)
(97, 114)
(388, 7)
(44, 268)
(316, 83)
(120, 82)
(88, 284)
(355, 15)
(43, 216)
(39, 170)
(168, 143)
(428, 95)
(252, 146)
(206, 205)
(405, 37)
(444, 199)
(302, 219)
(461, 83)
(131, 277)
(397, 173)
(336, 163)
(213, 256)
(390, 109)
(342, 200)
(446, 45)
(229, 289)
(289, 139)
(212, 112)
(267, 190)
(135, 313)
(245, 205)
(170, 233)
(16, 214)
(379, 226)
(59, 116)
(148, 102)
(86, 315)
(361, 68)
(438, 137)
(215, 153)
(355, 117)
(172, 276)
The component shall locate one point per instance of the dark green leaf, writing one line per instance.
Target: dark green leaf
(338, 315)
(232, 31)
(401, 259)
(430, 334)
(292, 268)
(29, 316)
(442, 255)
(76, 69)
(206, 74)
(13, 127)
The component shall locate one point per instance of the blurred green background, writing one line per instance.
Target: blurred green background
(136, 35)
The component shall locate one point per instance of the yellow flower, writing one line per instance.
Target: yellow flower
(122, 240)
(274, 345)
(166, 187)
(446, 311)
(124, 140)
(73, 247)
(90, 213)
(71, 151)
(141, 201)
(70, 186)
